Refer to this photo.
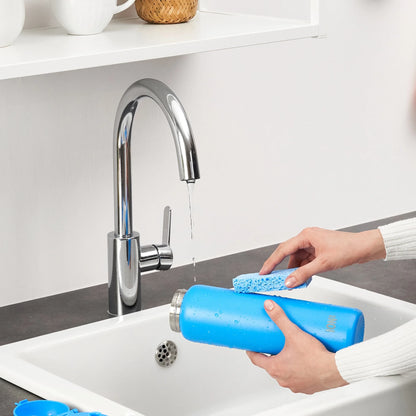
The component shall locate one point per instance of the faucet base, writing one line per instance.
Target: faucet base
(123, 274)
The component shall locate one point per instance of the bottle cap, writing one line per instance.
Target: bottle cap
(175, 310)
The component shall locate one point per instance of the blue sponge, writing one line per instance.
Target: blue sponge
(254, 282)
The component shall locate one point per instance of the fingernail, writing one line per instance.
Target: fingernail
(290, 282)
(268, 304)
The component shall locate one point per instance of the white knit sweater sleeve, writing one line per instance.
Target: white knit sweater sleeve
(400, 239)
(395, 351)
(389, 354)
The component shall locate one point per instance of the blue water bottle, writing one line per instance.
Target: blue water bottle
(217, 316)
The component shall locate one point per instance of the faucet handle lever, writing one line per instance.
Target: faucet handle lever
(167, 225)
(164, 250)
(158, 256)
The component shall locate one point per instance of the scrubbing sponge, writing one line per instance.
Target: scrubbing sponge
(254, 282)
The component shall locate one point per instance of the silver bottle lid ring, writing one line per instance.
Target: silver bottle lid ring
(175, 310)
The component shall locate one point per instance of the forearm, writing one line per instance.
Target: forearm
(389, 354)
(370, 246)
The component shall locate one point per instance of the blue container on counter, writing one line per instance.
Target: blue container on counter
(47, 408)
(222, 317)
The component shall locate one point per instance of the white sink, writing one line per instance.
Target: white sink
(109, 366)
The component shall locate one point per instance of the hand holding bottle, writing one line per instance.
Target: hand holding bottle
(304, 365)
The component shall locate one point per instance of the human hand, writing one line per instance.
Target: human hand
(304, 365)
(317, 250)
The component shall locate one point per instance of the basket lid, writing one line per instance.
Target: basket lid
(47, 408)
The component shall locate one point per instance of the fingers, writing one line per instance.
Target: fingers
(258, 359)
(279, 317)
(283, 250)
(276, 257)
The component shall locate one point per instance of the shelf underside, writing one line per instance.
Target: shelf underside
(49, 50)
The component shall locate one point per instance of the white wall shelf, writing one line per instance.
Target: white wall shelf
(49, 50)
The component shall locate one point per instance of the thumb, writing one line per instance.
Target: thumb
(278, 316)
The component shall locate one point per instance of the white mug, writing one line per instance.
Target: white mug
(12, 18)
(86, 17)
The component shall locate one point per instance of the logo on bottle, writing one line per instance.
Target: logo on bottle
(331, 324)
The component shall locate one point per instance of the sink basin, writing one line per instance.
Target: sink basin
(110, 367)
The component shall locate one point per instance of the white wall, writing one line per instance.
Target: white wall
(308, 132)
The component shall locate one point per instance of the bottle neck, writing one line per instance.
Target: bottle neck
(175, 310)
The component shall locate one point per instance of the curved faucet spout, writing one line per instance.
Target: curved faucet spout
(182, 135)
(126, 257)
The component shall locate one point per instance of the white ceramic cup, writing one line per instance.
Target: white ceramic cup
(86, 17)
(12, 18)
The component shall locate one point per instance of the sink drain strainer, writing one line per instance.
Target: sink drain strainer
(166, 353)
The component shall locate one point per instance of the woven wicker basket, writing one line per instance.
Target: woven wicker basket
(166, 11)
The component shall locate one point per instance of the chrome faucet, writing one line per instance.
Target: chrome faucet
(126, 258)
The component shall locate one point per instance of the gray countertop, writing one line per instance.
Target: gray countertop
(67, 310)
